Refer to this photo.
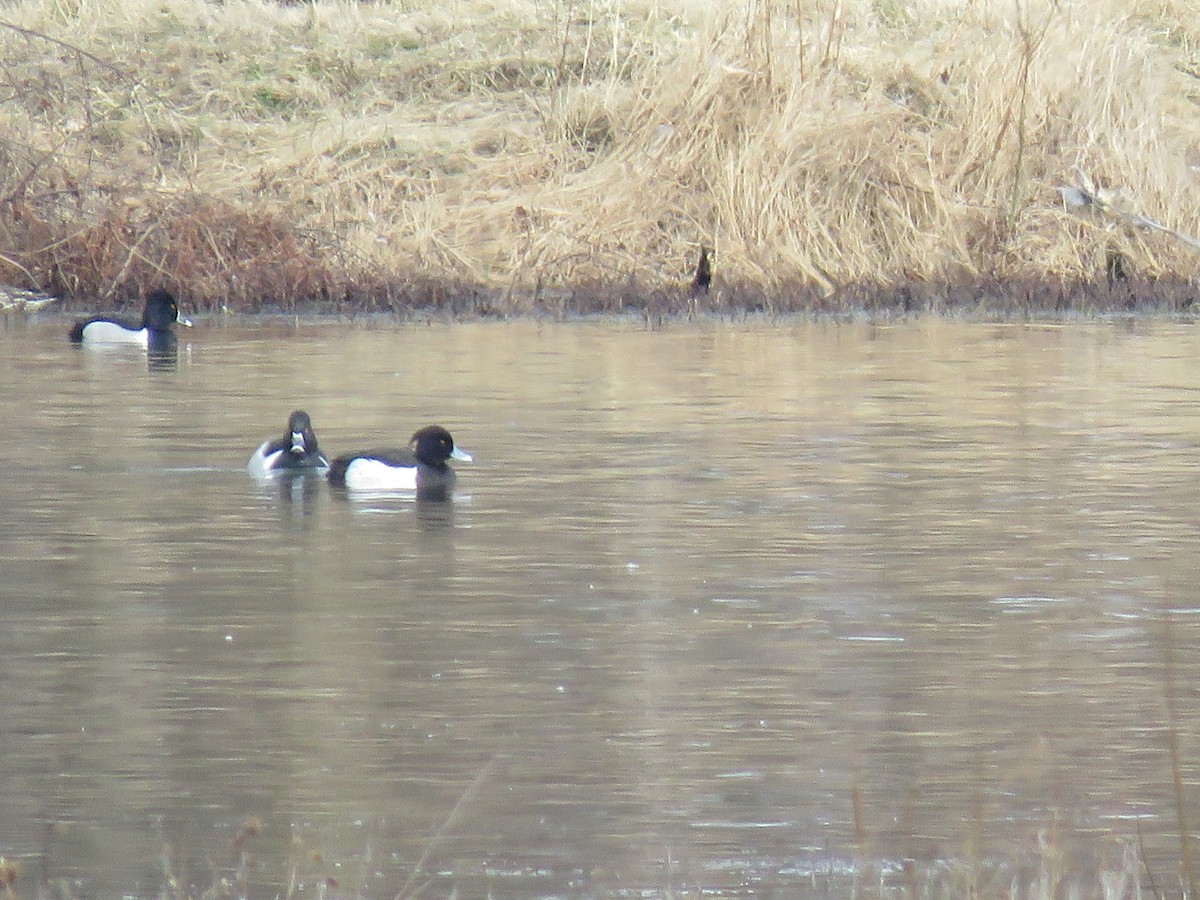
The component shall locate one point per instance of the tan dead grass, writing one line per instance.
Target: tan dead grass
(251, 152)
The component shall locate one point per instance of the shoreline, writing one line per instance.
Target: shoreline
(992, 301)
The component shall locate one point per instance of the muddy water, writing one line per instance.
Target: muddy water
(737, 609)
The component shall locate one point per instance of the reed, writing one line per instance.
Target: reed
(578, 153)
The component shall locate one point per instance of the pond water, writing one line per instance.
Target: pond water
(720, 609)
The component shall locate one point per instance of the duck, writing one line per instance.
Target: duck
(295, 452)
(421, 467)
(156, 331)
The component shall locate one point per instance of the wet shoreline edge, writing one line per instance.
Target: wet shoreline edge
(990, 300)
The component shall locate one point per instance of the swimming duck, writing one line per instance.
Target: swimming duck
(295, 452)
(420, 467)
(156, 331)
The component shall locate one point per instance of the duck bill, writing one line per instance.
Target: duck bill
(298, 442)
(460, 454)
(186, 323)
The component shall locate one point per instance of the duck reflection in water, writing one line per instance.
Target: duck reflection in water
(298, 495)
(432, 513)
(165, 360)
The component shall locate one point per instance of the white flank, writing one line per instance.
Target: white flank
(365, 474)
(112, 333)
(260, 463)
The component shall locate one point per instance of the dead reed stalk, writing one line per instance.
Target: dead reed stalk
(252, 152)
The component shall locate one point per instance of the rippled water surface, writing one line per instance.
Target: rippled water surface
(719, 609)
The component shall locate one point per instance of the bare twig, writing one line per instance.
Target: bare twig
(1114, 204)
(483, 775)
(67, 45)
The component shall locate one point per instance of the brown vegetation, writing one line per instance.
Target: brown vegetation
(536, 154)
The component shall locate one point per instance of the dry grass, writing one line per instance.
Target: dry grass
(246, 867)
(514, 154)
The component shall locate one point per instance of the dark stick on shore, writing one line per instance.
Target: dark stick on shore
(703, 276)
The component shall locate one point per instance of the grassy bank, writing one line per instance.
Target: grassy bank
(577, 153)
